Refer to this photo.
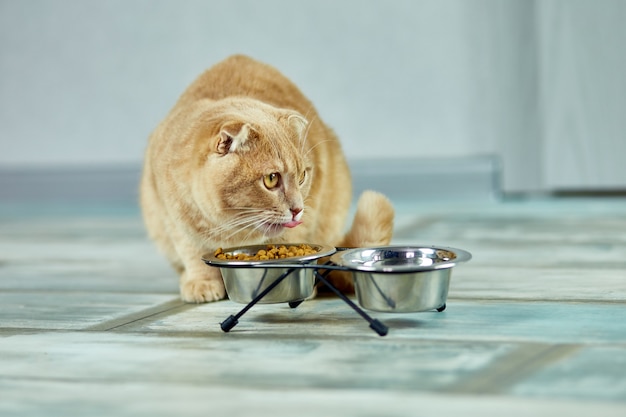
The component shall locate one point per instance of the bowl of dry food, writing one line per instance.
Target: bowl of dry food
(401, 279)
(249, 270)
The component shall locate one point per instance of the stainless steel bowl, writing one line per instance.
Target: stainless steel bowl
(401, 279)
(245, 280)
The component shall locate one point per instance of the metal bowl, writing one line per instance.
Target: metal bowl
(401, 279)
(245, 280)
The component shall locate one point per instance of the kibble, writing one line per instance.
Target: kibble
(270, 252)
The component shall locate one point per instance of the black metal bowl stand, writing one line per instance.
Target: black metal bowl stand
(377, 326)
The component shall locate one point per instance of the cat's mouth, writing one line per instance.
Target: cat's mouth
(292, 223)
(275, 229)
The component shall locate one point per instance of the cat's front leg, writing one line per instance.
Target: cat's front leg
(199, 283)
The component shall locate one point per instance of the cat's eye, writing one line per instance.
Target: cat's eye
(271, 180)
(302, 177)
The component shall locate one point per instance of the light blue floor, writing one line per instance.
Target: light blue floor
(91, 324)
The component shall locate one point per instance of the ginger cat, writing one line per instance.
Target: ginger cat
(243, 158)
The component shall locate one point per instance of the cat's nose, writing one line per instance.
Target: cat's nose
(296, 213)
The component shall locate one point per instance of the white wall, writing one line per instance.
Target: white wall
(85, 81)
(583, 93)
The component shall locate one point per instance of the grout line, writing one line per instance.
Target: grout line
(175, 304)
(536, 300)
(512, 368)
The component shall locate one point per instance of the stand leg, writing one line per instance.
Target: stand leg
(379, 327)
(232, 321)
(229, 323)
(375, 325)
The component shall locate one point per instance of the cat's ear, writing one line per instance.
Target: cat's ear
(298, 123)
(233, 137)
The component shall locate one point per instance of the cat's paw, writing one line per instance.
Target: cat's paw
(202, 291)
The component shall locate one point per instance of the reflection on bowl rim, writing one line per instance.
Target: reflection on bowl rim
(460, 256)
(323, 250)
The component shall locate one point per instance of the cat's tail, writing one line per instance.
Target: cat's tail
(373, 222)
(372, 226)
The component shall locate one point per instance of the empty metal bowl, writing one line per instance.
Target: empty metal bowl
(245, 280)
(401, 279)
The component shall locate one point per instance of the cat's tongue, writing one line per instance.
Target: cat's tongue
(292, 224)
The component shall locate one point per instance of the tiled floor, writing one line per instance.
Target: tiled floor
(91, 324)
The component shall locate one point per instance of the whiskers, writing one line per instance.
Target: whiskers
(246, 222)
(307, 202)
(316, 145)
(305, 136)
(303, 151)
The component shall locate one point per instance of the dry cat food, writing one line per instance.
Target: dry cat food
(270, 252)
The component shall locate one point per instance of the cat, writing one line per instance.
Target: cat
(244, 158)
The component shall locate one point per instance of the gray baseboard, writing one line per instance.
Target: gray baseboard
(447, 178)
(467, 178)
(94, 184)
